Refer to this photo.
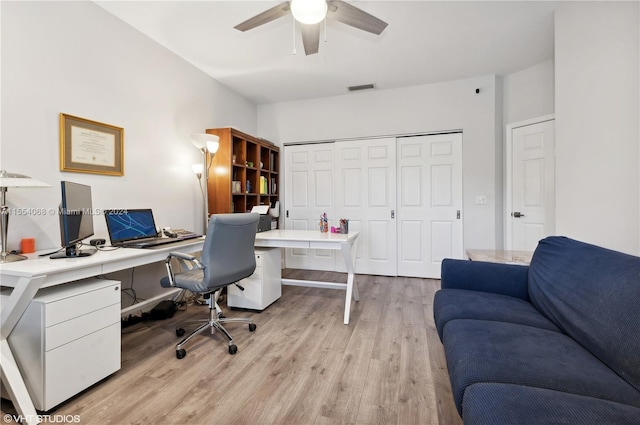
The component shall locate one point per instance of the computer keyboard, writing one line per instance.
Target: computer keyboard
(160, 241)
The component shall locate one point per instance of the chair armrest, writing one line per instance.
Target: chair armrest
(498, 278)
(181, 255)
(182, 258)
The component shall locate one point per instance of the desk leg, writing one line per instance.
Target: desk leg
(15, 385)
(12, 311)
(349, 256)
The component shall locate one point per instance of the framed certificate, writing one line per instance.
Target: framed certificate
(91, 147)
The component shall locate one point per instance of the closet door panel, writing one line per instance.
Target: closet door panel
(429, 203)
(365, 189)
(308, 194)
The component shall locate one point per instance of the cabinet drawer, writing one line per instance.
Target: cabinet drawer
(75, 366)
(253, 281)
(256, 273)
(263, 287)
(81, 304)
(70, 330)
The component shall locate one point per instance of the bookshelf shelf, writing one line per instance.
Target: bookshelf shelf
(243, 169)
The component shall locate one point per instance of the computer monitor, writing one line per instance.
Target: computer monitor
(76, 219)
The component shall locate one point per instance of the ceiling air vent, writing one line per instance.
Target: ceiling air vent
(361, 87)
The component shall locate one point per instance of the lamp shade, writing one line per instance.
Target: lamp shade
(309, 11)
(11, 180)
(19, 180)
(205, 142)
(197, 168)
(212, 147)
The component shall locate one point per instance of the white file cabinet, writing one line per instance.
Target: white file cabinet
(263, 287)
(68, 339)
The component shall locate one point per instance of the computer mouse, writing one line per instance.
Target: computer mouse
(170, 234)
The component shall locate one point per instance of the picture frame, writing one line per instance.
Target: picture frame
(88, 146)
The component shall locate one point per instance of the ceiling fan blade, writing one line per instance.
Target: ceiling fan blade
(267, 16)
(310, 38)
(358, 18)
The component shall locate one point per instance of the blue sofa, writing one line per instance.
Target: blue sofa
(556, 342)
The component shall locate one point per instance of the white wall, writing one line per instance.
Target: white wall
(427, 108)
(529, 93)
(499, 163)
(76, 58)
(597, 111)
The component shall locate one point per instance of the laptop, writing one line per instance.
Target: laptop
(137, 229)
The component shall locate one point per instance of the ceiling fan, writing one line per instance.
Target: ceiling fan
(310, 13)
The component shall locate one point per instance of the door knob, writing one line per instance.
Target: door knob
(517, 214)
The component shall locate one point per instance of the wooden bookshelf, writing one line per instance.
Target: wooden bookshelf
(248, 160)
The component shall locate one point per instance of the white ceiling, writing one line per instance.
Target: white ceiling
(425, 42)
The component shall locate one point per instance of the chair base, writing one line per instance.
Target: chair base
(213, 323)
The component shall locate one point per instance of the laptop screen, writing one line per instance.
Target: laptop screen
(129, 225)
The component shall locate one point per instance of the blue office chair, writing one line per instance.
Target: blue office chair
(227, 257)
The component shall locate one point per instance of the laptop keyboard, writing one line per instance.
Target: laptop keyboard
(146, 243)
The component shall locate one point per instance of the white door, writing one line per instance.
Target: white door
(365, 194)
(531, 198)
(429, 203)
(308, 195)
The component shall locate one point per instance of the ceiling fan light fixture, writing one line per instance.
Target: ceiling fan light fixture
(309, 11)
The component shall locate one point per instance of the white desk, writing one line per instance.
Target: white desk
(313, 239)
(28, 276)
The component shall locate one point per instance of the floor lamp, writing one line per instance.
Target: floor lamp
(208, 144)
(8, 180)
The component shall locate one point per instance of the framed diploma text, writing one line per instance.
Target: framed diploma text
(91, 147)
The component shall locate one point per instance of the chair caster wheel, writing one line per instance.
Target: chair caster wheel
(179, 332)
(233, 349)
(252, 327)
(181, 353)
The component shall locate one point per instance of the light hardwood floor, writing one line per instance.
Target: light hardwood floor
(302, 366)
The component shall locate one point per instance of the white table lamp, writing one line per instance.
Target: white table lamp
(8, 180)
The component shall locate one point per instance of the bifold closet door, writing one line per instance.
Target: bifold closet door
(308, 194)
(429, 203)
(365, 194)
(404, 196)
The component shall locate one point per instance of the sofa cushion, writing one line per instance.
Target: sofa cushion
(498, 278)
(489, 351)
(508, 404)
(451, 304)
(593, 295)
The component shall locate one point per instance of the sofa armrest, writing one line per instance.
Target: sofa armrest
(498, 278)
